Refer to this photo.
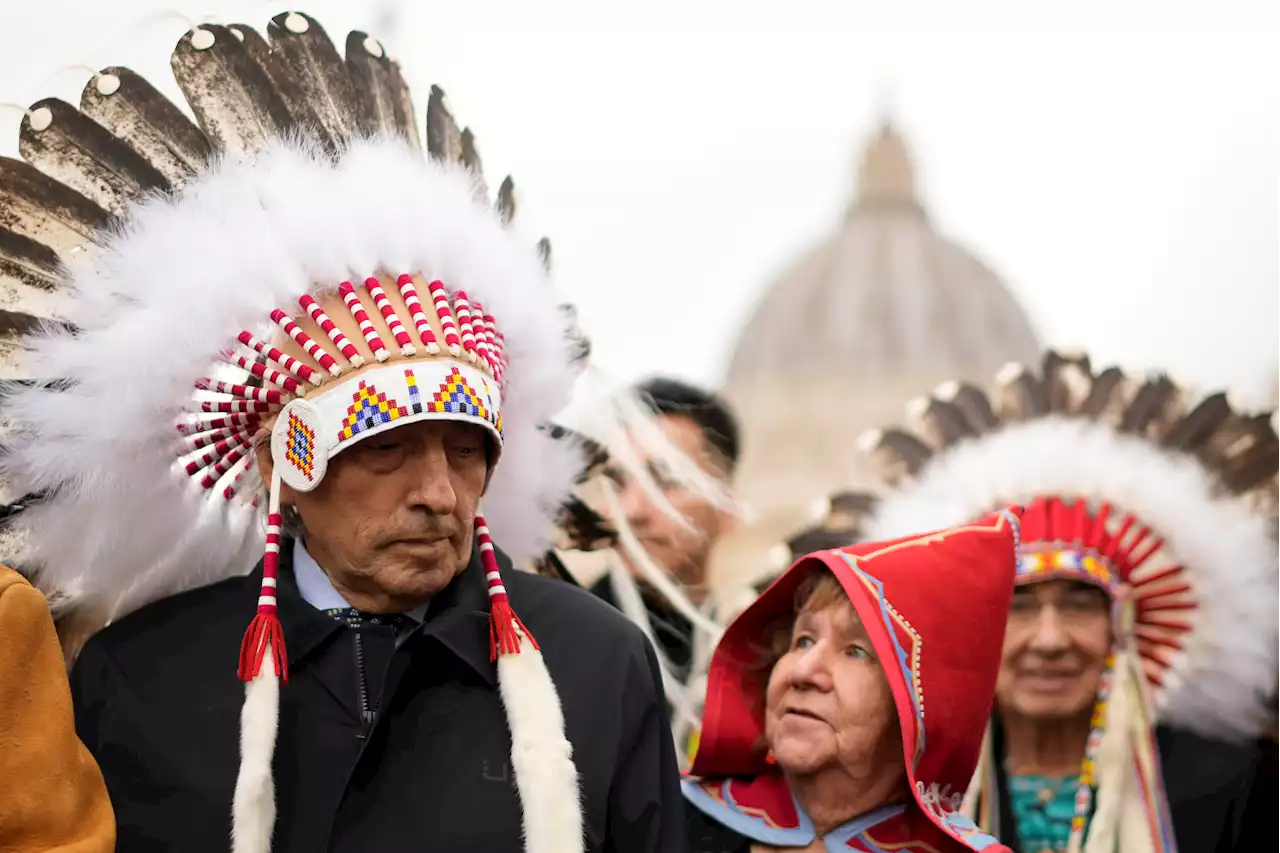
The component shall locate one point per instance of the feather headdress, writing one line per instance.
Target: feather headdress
(1167, 501)
(289, 266)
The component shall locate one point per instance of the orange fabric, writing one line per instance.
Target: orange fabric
(52, 797)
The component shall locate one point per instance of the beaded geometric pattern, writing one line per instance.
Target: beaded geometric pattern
(488, 395)
(1065, 562)
(301, 450)
(415, 396)
(368, 410)
(459, 398)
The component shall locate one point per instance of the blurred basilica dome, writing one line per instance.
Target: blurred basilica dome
(880, 311)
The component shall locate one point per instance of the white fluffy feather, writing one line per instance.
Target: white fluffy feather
(254, 807)
(157, 303)
(541, 755)
(1219, 686)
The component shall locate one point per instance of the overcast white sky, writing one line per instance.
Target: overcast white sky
(1117, 163)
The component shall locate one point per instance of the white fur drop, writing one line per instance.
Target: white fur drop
(541, 754)
(254, 807)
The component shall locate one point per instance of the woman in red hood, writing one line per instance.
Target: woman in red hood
(846, 707)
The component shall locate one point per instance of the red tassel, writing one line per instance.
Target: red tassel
(503, 638)
(502, 629)
(253, 648)
(503, 622)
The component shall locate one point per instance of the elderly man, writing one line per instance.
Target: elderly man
(319, 353)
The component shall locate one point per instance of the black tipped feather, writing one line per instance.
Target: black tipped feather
(507, 200)
(234, 100)
(973, 403)
(444, 140)
(27, 263)
(134, 110)
(36, 206)
(904, 450)
(1149, 406)
(1103, 394)
(314, 81)
(82, 154)
(946, 424)
(1023, 398)
(1199, 425)
(378, 83)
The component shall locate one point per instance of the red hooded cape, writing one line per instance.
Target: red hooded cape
(935, 608)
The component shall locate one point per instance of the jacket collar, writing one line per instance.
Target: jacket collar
(458, 618)
(305, 627)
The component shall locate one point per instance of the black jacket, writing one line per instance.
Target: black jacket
(158, 704)
(672, 631)
(710, 836)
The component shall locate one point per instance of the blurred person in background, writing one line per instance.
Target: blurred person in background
(1140, 655)
(679, 537)
(848, 702)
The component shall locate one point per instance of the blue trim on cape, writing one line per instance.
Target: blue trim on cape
(728, 814)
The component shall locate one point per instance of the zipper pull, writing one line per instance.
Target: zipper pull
(366, 724)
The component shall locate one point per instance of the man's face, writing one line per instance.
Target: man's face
(681, 550)
(391, 522)
(1055, 649)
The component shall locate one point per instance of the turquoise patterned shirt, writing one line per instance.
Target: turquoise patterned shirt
(1042, 808)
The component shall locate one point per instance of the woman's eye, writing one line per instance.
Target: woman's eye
(802, 642)
(858, 653)
(383, 446)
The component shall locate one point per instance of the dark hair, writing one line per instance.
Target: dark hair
(710, 413)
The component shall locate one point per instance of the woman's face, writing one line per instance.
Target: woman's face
(828, 703)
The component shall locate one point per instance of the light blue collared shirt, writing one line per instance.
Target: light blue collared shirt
(318, 591)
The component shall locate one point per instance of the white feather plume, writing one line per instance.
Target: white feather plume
(541, 754)
(1218, 687)
(156, 303)
(253, 808)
